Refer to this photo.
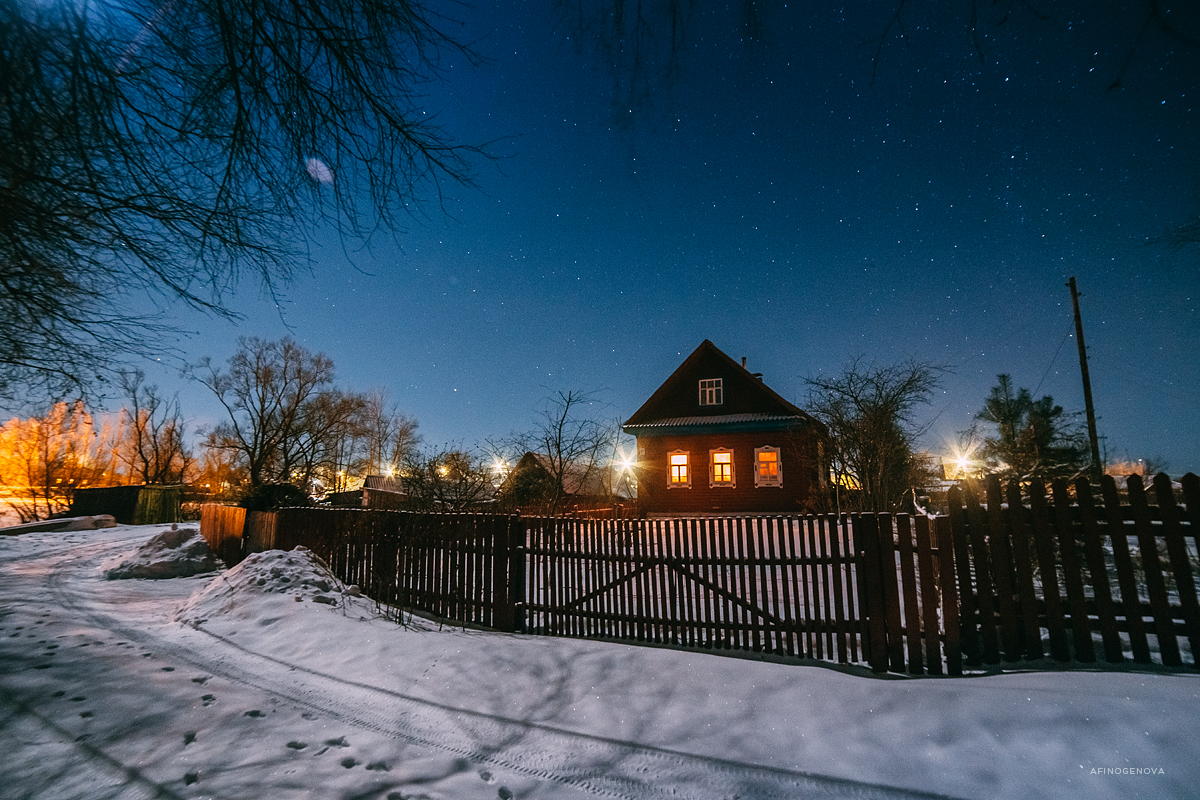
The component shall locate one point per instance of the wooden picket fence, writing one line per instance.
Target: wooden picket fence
(1119, 578)
(1002, 580)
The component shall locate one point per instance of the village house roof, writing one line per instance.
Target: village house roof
(745, 402)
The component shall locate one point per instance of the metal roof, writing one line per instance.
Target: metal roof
(724, 419)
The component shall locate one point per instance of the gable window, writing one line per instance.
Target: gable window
(720, 469)
(680, 476)
(768, 471)
(711, 393)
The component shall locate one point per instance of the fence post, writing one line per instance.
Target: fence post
(866, 537)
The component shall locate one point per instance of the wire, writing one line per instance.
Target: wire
(1056, 352)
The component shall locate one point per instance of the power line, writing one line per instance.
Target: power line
(1056, 352)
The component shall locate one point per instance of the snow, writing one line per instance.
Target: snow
(271, 679)
(174, 553)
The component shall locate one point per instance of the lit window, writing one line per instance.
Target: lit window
(710, 392)
(681, 476)
(720, 471)
(768, 471)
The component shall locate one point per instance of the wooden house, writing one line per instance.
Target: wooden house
(715, 439)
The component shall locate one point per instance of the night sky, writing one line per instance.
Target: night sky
(800, 197)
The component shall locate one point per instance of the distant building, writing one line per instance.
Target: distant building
(714, 439)
(378, 491)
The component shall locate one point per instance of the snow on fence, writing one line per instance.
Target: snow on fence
(983, 586)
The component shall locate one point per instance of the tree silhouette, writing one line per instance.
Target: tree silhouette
(169, 147)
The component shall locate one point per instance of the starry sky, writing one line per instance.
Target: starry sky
(817, 184)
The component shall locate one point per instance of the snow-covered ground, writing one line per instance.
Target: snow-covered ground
(268, 681)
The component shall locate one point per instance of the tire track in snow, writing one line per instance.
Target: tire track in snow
(598, 765)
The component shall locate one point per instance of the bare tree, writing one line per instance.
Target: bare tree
(870, 414)
(44, 458)
(446, 480)
(572, 444)
(282, 409)
(390, 436)
(170, 147)
(153, 445)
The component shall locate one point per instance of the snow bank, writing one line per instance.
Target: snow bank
(171, 554)
(295, 576)
(60, 524)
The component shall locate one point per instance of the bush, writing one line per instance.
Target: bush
(271, 496)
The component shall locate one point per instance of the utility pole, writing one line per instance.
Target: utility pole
(1087, 384)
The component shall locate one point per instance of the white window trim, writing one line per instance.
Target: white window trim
(672, 484)
(759, 481)
(717, 387)
(712, 471)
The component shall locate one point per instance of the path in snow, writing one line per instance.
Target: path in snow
(104, 697)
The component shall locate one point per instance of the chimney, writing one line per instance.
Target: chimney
(743, 362)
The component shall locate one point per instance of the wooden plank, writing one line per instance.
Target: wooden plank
(837, 554)
(618, 602)
(1185, 584)
(800, 586)
(1106, 616)
(1081, 628)
(683, 587)
(518, 539)
(1126, 578)
(950, 595)
(768, 589)
(791, 586)
(866, 535)
(825, 582)
(1024, 555)
(982, 570)
(778, 549)
(641, 557)
(889, 582)
(963, 561)
(816, 583)
(1043, 536)
(1164, 624)
(908, 579)
(929, 596)
(854, 615)
(1003, 574)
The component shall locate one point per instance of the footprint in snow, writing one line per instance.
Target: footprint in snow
(191, 777)
(349, 763)
(338, 742)
(379, 766)
(254, 712)
(486, 776)
(297, 745)
(505, 793)
(208, 699)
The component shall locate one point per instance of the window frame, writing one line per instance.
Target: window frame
(761, 482)
(714, 393)
(713, 483)
(687, 470)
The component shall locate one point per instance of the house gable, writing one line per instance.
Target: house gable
(689, 400)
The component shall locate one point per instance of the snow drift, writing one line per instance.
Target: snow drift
(171, 554)
(296, 576)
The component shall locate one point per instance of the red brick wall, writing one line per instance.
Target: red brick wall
(798, 455)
